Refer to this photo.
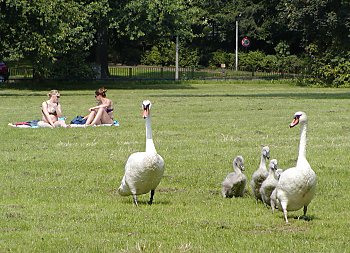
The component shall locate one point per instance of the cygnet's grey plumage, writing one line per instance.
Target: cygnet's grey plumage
(273, 197)
(270, 183)
(297, 186)
(235, 182)
(260, 174)
(278, 173)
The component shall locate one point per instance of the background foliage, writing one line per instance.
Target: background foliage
(143, 31)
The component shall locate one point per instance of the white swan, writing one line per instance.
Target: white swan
(261, 173)
(235, 182)
(143, 170)
(270, 183)
(296, 186)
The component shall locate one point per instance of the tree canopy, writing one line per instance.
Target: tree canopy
(54, 34)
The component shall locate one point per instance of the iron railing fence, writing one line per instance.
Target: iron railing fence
(168, 73)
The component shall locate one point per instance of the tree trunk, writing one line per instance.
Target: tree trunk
(102, 49)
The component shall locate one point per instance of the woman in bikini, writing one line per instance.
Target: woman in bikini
(52, 112)
(103, 112)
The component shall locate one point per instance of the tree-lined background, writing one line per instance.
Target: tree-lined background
(70, 38)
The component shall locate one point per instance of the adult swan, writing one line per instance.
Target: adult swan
(143, 170)
(296, 186)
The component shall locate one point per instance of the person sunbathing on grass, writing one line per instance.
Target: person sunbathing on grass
(103, 112)
(52, 112)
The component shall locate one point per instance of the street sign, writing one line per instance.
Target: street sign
(245, 42)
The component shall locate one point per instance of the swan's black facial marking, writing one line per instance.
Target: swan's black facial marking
(146, 106)
(266, 152)
(239, 162)
(295, 120)
(273, 164)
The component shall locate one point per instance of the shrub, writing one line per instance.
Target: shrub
(72, 66)
(252, 61)
(270, 63)
(335, 74)
(163, 54)
(221, 57)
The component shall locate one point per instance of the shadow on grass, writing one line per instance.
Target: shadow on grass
(311, 95)
(305, 218)
(93, 85)
(144, 202)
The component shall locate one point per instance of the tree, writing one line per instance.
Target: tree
(321, 22)
(325, 29)
(46, 32)
(145, 23)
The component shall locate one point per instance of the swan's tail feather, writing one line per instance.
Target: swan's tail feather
(123, 189)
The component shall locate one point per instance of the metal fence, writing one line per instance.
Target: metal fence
(168, 73)
(21, 73)
(191, 73)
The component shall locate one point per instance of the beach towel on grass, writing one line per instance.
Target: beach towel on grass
(34, 124)
(115, 123)
(25, 124)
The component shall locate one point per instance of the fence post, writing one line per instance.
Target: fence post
(130, 72)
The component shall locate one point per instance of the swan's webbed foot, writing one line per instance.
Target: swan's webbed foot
(151, 199)
(304, 217)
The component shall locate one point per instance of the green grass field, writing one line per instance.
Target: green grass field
(57, 186)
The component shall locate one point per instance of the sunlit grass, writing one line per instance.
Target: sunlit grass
(58, 185)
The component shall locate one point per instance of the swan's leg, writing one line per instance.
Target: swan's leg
(134, 197)
(272, 203)
(304, 217)
(264, 200)
(151, 199)
(284, 208)
(305, 210)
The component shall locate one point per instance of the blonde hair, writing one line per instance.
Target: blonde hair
(53, 92)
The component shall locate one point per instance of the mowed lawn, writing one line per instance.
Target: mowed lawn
(58, 186)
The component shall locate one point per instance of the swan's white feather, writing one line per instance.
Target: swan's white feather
(143, 173)
(297, 186)
(143, 170)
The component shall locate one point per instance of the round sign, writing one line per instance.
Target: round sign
(245, 42)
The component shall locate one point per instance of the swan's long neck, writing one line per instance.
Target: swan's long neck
(150, 148)
(302, 144)
(236, 169)
(262, 161)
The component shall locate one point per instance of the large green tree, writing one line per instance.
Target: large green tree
(325, 23)
(324, 26)
(47, 32)
(141, 24)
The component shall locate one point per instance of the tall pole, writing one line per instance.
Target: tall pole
(236, 44)
(177, 59)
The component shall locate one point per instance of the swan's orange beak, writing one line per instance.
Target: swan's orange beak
(145, 112)
(294, 122)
